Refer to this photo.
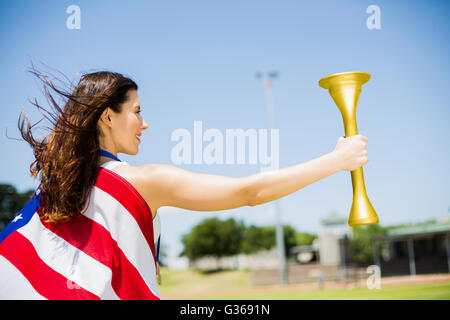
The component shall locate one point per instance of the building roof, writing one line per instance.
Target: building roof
(333, 219)
(418, 230)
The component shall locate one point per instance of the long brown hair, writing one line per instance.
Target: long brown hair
(68, 157)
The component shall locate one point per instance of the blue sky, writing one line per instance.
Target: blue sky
(196, 60)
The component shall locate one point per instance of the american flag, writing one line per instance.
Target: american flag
(107, 252)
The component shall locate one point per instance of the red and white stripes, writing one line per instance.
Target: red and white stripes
(107, 252)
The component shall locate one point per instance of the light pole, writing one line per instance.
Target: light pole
(267, 82)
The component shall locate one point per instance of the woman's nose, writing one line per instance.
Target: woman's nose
(144, 125)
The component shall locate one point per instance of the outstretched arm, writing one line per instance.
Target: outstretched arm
(171, 186)
(271, 185)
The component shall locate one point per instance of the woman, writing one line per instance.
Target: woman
(90, 228)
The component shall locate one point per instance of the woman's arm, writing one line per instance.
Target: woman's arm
(350, 154)
(271, 185)
(171, 186)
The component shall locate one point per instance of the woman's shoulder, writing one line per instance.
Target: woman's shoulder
(138, 177)
(143, 172)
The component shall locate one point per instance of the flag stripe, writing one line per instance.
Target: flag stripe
(130, 198)
(108, 252)
(126, 232)
(94, 240)
(73, 264)
(34, 269)
(15, 286)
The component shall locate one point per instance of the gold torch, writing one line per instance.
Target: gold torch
(345, 88)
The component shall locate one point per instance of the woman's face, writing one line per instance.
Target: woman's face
(126, 126)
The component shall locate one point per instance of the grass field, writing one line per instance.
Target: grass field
(191, 284)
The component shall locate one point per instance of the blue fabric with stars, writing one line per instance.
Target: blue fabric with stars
(23, 217)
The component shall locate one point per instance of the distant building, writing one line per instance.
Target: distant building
(306, 253)
(414, 250)
(333, 229)
(404, 251)
(325, 259)
(327, 249)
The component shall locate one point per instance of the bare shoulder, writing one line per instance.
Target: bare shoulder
(144, 180)
(164, 185)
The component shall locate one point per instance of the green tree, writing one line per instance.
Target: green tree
(361, 243)
(304, 238)
(290, 239)
(224, 238)
(264, 238)
(11, 202)
(213, 237)
(258, 238)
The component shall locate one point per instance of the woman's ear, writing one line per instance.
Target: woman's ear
(106, 117)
